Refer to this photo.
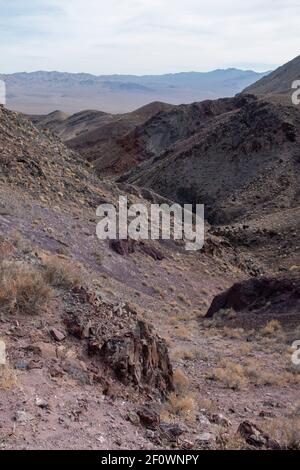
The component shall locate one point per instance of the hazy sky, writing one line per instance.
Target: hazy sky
(147, 36)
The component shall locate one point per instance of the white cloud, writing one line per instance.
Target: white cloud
(146, 36)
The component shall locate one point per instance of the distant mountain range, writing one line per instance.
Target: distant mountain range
(44, 92)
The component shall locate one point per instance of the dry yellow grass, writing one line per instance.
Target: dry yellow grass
(231, 374)
(245, 349)
(61, 273)
(286, 430)
(184, 406)
(207, 404)
(233, 333)
(259, 376)
(23, 288)
(232, 441)
(182, 332)
(181, 381)
(237, 376)
(187, 354)
(273, 327)
(8, 378)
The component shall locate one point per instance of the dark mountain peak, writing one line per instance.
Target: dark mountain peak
(278, 82)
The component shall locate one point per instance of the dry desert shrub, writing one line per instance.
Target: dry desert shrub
(182, 332)
(159, 291)
(187, 354)
(181, 402)
(286, 430)
(98, 258)
(6, 250)
(19, 242)
(181, 381)
(8, 378)
(292, 435)
(233, 333)
(231, 374)
(237, 377)
(22, 288)
(178, 405)
(245, 349)
(61, 273)
(272, 328)
(206, 404)
(259, 376)
(293, 335)
(232, 441)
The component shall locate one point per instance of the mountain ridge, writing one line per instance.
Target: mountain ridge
(278, 84)
(42, 92)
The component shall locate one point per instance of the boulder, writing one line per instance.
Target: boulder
(57, 335)
(149, 415)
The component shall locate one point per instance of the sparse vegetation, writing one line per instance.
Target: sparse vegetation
(184, 406)
(8, 378)
(233, 333)
(286, 430)
(188, 354)
(61, 273)
(273, 327)
(231, 374)
(23, 288)
(181, 381)
(159, 291)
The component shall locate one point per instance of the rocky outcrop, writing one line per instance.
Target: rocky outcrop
(122, 342)
(139, 357)
(279, 296)
(127, 247)
(257, 438)
(239, 157)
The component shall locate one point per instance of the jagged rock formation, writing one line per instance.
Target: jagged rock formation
(123, 342)
(141, 358)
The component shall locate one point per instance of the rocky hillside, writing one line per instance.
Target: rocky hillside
(278, 84)
(240, 158)
(113, 345)
(99, 137)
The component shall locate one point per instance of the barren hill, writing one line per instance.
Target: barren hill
(239, 162)
(99, 136)
(278, 84)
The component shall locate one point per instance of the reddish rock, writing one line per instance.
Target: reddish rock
(148, 415)
(57, 335)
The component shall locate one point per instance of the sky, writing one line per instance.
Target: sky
(147, 36)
